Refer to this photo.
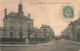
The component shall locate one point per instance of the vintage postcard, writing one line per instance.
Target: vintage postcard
(39, 25)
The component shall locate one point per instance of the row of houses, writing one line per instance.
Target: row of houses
(72, 32)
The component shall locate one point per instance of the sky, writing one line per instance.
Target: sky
(46, 12)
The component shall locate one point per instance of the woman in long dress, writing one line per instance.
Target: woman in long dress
(27, 41)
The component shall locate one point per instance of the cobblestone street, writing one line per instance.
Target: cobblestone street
(60, 45)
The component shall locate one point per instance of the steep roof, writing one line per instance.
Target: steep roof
(37, 30)
(12, 14)
(20, 16)
(17, 15)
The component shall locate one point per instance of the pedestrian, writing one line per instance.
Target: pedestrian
(27, 41)
(56, 39)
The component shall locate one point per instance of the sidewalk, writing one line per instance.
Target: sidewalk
(30, 45)
(75, 42)
(46, 44)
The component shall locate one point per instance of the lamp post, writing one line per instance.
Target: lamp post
(35, 38)
(29, 35)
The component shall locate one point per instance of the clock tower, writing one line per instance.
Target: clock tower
(20, 8)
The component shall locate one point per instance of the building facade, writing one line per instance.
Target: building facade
(45, 33)
(77, 30)
(16, 25)
(73, 31)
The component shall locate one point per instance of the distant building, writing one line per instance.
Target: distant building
(44, 33)
(16, 25)
(48, 32)
(63, 35)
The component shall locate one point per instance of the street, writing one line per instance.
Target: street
(60, 45)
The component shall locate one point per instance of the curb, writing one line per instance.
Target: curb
(21, 45)
(75, 42)
(78, 43)
(45, 44)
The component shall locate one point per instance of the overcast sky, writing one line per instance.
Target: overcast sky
(48, 14)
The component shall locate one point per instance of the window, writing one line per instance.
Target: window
(11, 24)
(20, 35)
(20, 25)
(79, 30)
(29, 26)
(44, 30)
(11, 34)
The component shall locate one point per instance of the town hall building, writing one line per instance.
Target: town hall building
(16, 25)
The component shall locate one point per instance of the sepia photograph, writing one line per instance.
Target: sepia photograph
(39, 25)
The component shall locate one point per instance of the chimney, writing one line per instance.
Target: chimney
(5, 11)
(29, 15)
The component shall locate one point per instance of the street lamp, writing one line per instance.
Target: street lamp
(35, 38)
(29, 35)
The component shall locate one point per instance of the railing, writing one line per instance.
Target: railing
(12, 40)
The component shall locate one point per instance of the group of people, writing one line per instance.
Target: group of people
(30, 41)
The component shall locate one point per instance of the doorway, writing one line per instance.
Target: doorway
(20, 35)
